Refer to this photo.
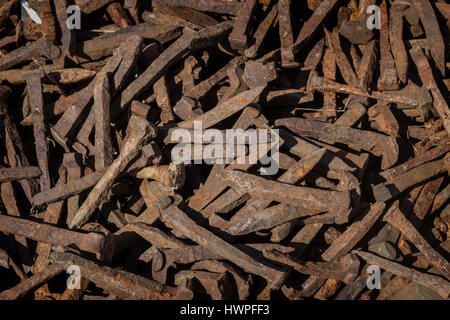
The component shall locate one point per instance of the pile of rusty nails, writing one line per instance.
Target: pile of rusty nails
(87, 178)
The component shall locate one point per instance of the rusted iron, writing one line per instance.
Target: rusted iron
(287, 97)
(187, 74)
(221, 6)
(52, 215)
(329, 72)
(140, 109)
(182, 255)
(104, 45)
(286, 37)
(396, 218)
(14, 174)
(124, 285)
(345, 270)
(303, 238)
(12, 209)
(384, 119)
(368, 60)
(366, 140)
(162, 90)
(224, 110)
(72, 163)
(155, 236)
(167, 15)
(172, 175)
(203, 199)
(124, 72)
(217, 285)
(238, 36)
(188, 42)
(150, 155)
(354, 233)
(62, 130)
(261, 32)
(178, 253)
(92, 242)
(344, 244)
(303, 148)
(434, 282)
(251, 219)
(87, 6)
(187, 17)
(140, 131)
(6, 262)
(68, 37)
(16, 154)
(328, 289)
(66, 190)
(103, 143)
(86, 182)
(243, 282)
(357, 163)
(388, 73)
(311, 27)
(325, 85)
(432, 154)
(258, 74)
(425, 200)
(118, 15)
(394, 286)
(441, 198)
(341, 60)
(356, 31)
(432, 31)
(314, 56)
(237, 82)
(176, 218)
(261, 219)
(145, 71)
(188, 107)
(352, 116)
(428, 80)
(38, 48)
(402, 182)
(6, 10)
(29, 284)
(37, 106)
(48, 23)
(310, 198)
(421, 95)
(396, 40)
